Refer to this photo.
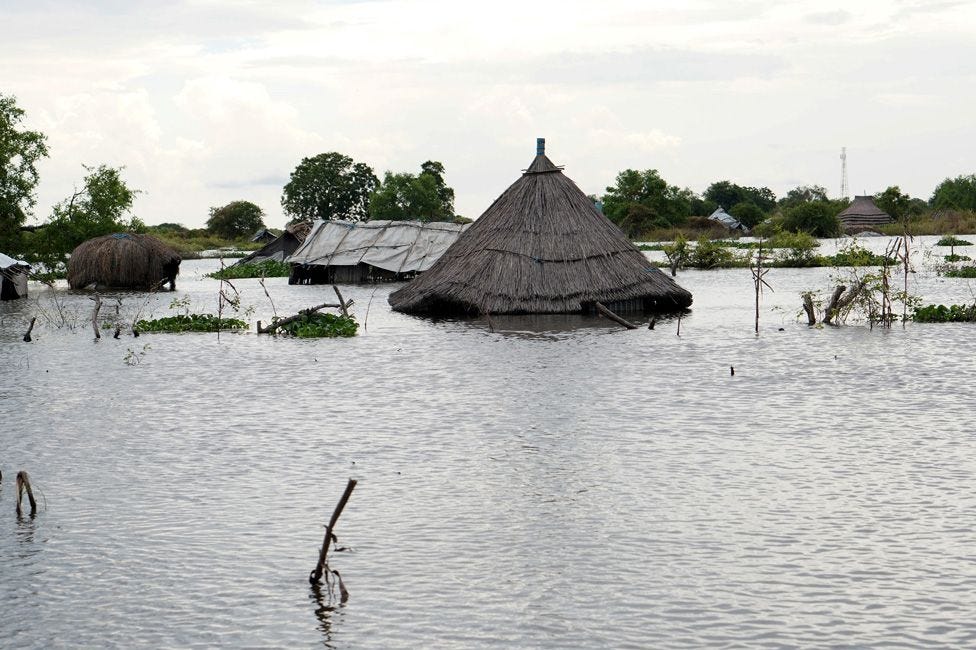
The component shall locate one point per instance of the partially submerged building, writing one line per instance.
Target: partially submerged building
(282, 247)
(123, 261)
(727, 220)
(13, 278)
(541, 248)
(371, 251)
(863, 214)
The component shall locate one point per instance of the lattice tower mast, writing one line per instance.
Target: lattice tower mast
(843, 173)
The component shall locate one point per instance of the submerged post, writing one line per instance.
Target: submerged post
(27, 334)
(600, 307)
(98, 306)
(23, 484)
(316, 575)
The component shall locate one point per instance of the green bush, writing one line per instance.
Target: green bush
(190, 323)
(799, 248)
(320, 325)
(265, 269)
(817, 218)
(709, 254)
(943, 314)
(952, 240)
(958, 258)
(962, 272)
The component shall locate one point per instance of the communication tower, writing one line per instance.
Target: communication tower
(843, 173)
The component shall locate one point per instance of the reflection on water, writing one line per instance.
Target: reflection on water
(558, 482)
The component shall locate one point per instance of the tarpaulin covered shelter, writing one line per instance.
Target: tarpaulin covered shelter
(281, 248)
(727, 220)
(541, 248)
(13, 278)
(346, 251)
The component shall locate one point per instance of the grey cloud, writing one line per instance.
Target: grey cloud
(838, 17)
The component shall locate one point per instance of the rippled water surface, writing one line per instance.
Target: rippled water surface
(548, 483)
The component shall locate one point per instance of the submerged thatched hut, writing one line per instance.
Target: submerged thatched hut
(282, 246)
(863, 214)
(541, 248)
(123, 261)
(13, 278)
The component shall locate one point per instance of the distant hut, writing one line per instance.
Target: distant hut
(263, 236)
(371, 251)
(727, 220)
(282, 247)
(13, 278)
(123, 261)
(863, 214)
(541, 248)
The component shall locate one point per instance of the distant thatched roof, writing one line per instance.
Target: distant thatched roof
(541, 247)
(863, 212)
(122, 260)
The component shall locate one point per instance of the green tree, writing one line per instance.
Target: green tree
(957, 193)
(898, 205)
(235, 220)
(20, 150)
(640, 201)
(819, 218)
(329, 186)
(99, 208)
(748, 213)
(424, 197)
(803, 194)
(728, 195)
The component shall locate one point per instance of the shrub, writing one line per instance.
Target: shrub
(943, 314)
(709, 254)
(817, 218)
(952, 240)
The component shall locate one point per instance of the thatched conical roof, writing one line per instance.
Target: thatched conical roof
(863, 213)
(122, 261)
(540, 248)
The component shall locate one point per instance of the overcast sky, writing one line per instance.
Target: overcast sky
(208, 101)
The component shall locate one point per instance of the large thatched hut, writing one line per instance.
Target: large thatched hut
(541, 248)
(13, 278)
(863, 214)
(123, 261)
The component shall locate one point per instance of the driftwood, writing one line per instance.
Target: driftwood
(98, 306)
(27, 336)
(316, 575)
(840, 299)
(600, 307)
(808, 308)
(273, 327)
(23, 484)
(832, 306)
(342, 303)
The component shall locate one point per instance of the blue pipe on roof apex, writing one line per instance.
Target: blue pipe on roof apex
(540, 146)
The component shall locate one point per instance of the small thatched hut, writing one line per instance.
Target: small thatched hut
(123, 261)
(863, 214)
(13, 278)
(541, 248)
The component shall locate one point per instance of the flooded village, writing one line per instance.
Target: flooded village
(559, 402)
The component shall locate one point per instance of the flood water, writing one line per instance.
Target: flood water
(547, 482)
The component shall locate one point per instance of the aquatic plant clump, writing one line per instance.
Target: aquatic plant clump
(944, 314)
(191, 323)
(265, 269)
(319, 325)
(951, 240)
(962, 272)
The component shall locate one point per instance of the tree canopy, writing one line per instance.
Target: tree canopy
(20, 149)
(641, 201)
(957, 193)
(329, 186)
(422, 197)
(728, 195)
(898, 204)
(235, 220)
(819, 218)
(803, 194)
(98, 208)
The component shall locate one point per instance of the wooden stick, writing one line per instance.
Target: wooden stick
(679, 324)
(98, 306)
(316, 575)
(808, 308)
(27, 336)
(23, 484)
(342, 303)
(831, 310)
(612, 316)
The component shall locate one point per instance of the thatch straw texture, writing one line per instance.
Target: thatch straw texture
(123, 261)
(862, 213)
(540, 248)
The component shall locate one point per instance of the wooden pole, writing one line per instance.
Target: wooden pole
(27, 335)
(316, 575)
(831, 310)
(23, 484)
(808, 308)
(98, 306)
(612, 316)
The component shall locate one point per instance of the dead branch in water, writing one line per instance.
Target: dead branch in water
(273, 327)
(342, 303)
(27, 334)
(98, 306)
(323, 565)
(24, 485)
(600, 307)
